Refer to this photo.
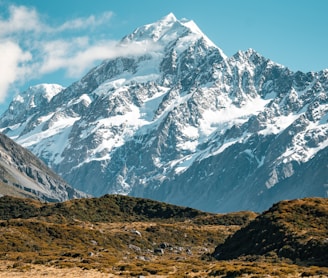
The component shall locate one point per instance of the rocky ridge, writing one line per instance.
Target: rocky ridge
(23, 174)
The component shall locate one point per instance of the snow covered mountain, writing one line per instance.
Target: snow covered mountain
(182, 123)
(23, 174)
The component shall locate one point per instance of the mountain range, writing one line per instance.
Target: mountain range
(182, 123)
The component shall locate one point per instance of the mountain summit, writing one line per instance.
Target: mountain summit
(183, 123)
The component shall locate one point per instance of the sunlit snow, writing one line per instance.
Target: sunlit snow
(230, 115)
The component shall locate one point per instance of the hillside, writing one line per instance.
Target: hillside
(297, 230)
(114, 208)
(22, 174)
(115, 236)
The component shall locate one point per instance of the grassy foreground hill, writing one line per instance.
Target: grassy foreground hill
(119, 236)
(296, 230)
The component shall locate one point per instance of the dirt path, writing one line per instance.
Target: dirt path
(10, 270)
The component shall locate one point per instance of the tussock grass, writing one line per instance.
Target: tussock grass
(118, 236)
(296, 230)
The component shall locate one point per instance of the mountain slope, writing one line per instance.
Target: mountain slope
(182, 123)
(23, 174)
(292, 229)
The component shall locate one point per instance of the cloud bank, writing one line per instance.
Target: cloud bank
(30, 47)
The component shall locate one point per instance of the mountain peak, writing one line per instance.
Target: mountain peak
(182, 123)
(167, 29)
(48, 91)
(169, 18)
(153, 31)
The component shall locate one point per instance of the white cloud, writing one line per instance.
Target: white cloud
(21, 19)
(25, 19)
(83, 23)
(12, 59)
(31, 48)
(77, 56)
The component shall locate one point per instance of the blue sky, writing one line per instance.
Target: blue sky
(59, 41)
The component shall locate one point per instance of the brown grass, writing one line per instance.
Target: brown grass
(60, 242)
(296, 230)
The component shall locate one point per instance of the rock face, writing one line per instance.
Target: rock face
(182, 123)
(23, 174)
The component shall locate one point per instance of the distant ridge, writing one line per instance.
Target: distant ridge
(115, 208)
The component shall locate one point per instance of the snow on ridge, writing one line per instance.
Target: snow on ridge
(216, 121)
(48, 91)
(169, 17)
(147, 71)
(29, 100)
(169, 29)
(51, 90)
(38, 134)
(195, 29)
(279, 124)
(229, 115)
(300, 150)
(183, 164)
(152, 30)
(19, 98)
